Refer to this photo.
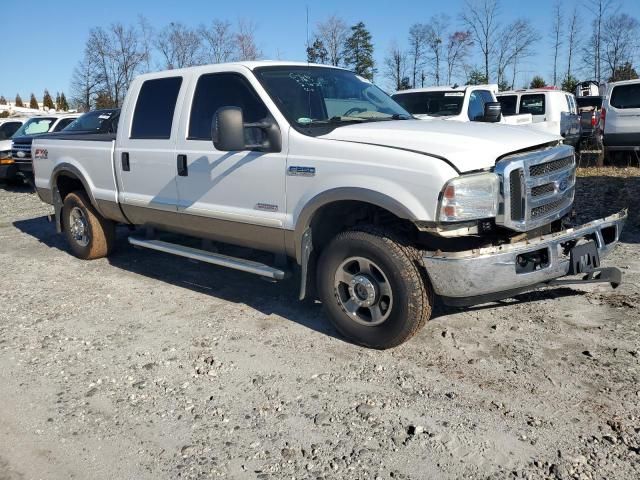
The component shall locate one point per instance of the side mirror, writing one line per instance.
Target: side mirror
(492, 112)
(228, 132)
(227, 129)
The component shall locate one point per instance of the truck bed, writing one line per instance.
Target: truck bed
(90, 154)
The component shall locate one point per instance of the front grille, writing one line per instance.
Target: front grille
(552, 207)
(537, 188)
(26, 151)
(541, 190)
(550, 167)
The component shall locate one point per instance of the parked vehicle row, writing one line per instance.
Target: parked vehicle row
(374, 210)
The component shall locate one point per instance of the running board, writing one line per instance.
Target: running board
(213, 258)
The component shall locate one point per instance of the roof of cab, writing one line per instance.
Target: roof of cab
(251, 65)
(447, 88)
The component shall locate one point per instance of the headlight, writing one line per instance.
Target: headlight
(5, 157)
(470, 197)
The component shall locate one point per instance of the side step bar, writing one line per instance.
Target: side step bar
(213, 258)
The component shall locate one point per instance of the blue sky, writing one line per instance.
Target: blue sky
(49, 40)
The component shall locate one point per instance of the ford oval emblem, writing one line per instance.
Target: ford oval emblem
(20, 154)
(563, 184)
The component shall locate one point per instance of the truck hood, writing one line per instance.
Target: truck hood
(468, 146)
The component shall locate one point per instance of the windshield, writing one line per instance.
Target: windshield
(34, 126)
(312, 96)
(96, 122)
(435, 104)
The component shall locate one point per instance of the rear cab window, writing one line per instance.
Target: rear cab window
(155, 106)
(509, 104)
(534, 104)
(625, 96)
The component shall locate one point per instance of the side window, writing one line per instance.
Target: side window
(62, 124)
(216, 90)
(533, 104)
(8, 129)
(476, 106)
(153, 116)
(509, 104)
(626, 96)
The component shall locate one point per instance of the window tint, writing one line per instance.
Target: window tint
(626, 96)
(156, 103)
(435, 104)
(508, 103)
(63, 123)
(217, 90)
(533, 104)
(7, 129)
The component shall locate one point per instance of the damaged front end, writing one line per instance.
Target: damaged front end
(491, 273)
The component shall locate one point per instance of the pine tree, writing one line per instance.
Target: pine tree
(18, 102)
(3, 101)
(624, 72)
(33, 103)
(358, 51)
(104, 100)
(58, 101)
(477, 77)
(316, 53)
(64, 106)
(538, 82)
(569, 84)
(47, 101)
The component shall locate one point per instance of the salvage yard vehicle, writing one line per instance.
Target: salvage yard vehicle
(96, 121)
(589, 109)
(21, 151)
(620, 118)
(8, 127)
(467, 103)
(377, 212)
(553, 111)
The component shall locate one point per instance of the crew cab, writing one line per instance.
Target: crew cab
(553, 111)
(326, 177)
(620, 118)
(467, 103)
(94, 122)
(21, 140)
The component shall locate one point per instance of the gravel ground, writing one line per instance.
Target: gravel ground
(147, 366)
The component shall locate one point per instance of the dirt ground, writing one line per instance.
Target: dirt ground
(147, 366)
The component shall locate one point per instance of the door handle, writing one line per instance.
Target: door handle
(125, 162)
(183, 171)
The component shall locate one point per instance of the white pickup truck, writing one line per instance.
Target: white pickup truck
(375, 211)
(466, 103)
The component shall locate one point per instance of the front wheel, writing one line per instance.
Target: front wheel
(372, 287)
(88, 233)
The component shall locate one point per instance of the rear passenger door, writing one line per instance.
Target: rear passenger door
(145, 153)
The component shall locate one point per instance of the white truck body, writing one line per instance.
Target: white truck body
(325, 156)
(466, 103)
(553, 111)
(620, 116)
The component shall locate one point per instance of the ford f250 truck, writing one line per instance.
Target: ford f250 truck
(375, 211)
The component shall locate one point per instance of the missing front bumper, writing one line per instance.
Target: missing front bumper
(478, 276)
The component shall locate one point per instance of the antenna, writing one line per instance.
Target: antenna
(307, 52)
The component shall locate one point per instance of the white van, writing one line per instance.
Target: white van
(553, 111)
(620, 117)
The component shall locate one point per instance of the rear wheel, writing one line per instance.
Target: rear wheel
(372, 287)
(89, 234)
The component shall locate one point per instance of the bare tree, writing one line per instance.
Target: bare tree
(481, 19)
(146, 34)
(217, 40)
(435, 35)
(573, 38)
(396, 66)
(333, 33)
(85, 83)
(600, 9)
(457, 51)
(515, 43)
(118, 55)
(179, 46)
(619, 41)
(417, 49)
(245, 38)
(556, 37)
